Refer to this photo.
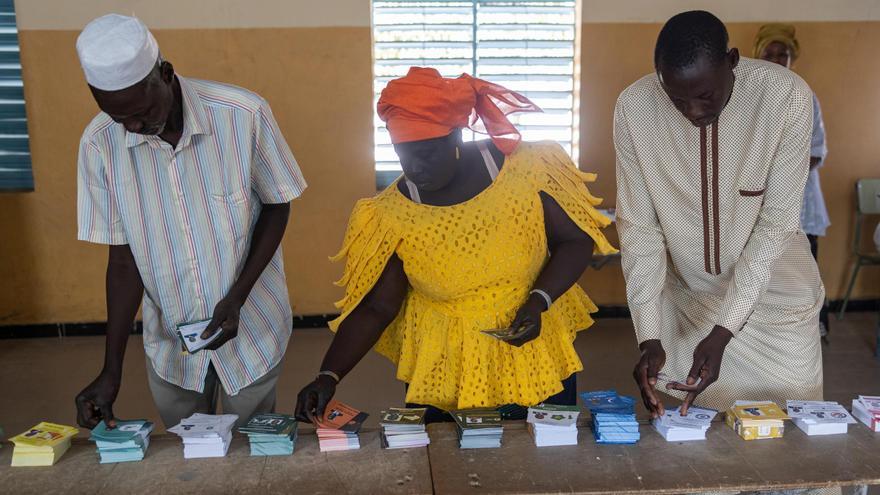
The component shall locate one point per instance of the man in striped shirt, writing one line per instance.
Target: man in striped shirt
(190, 184)
(712, 157)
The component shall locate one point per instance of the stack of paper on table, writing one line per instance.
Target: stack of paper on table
(125, 443)
(271, 434)
(677, 428)
(755, 420)
(816, 417)
(205, 435)
(867, 410)
(613, 416)
(403, 428)
(478, 428)
(42, 445)
(338, 429)
(552, 425)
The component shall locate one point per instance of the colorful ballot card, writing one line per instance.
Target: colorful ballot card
(190, 335)
(270, 424)
(339, 416)
(400, 416)
(553, 415)
(757, 420)
(44, 435)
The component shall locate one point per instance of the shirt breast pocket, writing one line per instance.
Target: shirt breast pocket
(232, 215)
(751, 192)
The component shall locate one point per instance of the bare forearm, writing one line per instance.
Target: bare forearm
(355, 337)
(125, 289)
(268, 232)
(568, 261)
(814, 162)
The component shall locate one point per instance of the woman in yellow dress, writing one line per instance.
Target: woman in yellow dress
(474, 236)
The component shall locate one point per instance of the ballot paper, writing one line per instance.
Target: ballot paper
(271, 434)
(867, 410)
(553, 425)
(205, 435)
(42, 445)
(338, 428)
(478, 428)
(613, 417)
(127, 442)
(191, 335)
(403, 428)
(755, 420)
(677, 428)
(819, 417)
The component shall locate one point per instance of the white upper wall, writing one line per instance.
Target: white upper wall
(732, 10)
(198, 14)
(202, 14)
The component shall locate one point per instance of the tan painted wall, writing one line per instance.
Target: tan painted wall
(837, 60)
(318, 84)
(318, 81)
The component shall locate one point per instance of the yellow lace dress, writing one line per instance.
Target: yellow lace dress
(470, 267)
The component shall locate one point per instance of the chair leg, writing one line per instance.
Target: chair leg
(852, 282)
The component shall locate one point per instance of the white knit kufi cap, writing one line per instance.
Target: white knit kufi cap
(116, 52)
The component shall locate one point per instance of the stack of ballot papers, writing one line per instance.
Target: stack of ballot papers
(271, 434)
(478, 428)
(553, 425)
(816, 417)
(677, 428)
(338, 429)
(125, 443)
(42, 445)
(403, 428)
(205, 435)
(756, 420)
(613, 417)
(867, 410)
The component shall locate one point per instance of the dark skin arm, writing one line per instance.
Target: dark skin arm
(570, 252)
(268, 232)
(357, 334)
(814, 162)
(125, 290)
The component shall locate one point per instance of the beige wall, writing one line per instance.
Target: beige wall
(319, 83)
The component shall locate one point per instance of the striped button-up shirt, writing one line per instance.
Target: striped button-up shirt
(188, 214)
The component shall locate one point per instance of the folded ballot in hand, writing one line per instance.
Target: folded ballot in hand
(190, 335)
(126, 443)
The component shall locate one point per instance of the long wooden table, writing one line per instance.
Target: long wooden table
(722, 462)
(164, 471)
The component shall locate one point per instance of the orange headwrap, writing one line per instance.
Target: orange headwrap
(424, 105)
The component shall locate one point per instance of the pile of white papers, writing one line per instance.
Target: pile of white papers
(403, 428)
(205, 435)
(867, 410)
(552, 425)
(816, 417)
(677, 428)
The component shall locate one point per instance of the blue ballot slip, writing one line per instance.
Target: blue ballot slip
(127, 442)
(613, 417)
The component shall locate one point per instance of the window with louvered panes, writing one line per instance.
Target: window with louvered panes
(15, 155)
(525, 45)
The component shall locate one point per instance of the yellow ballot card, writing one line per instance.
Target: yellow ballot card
(42, 445)
(757, 420)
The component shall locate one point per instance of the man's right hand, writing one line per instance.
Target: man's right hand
(313, 398)
(652, 361)
(95, 402)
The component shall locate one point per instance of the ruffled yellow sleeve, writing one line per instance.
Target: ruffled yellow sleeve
(558, 176)
(369, 242)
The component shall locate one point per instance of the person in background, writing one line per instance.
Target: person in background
(474, 236)
(777, 43)
(189, 182)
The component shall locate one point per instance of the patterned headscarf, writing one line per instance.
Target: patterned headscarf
(424, 105)
(783, 33)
